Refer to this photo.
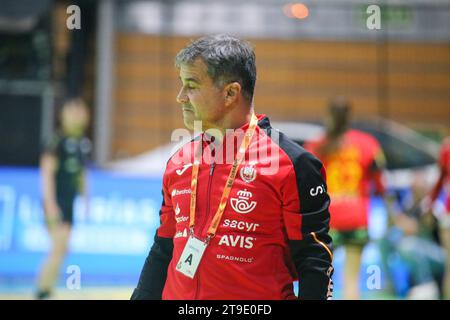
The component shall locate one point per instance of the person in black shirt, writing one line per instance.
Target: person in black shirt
(62, 166)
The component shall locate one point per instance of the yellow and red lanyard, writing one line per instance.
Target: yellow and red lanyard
(228, 185)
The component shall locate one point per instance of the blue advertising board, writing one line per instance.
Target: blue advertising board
(111, 237)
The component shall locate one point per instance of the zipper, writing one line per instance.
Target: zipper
(211, 172)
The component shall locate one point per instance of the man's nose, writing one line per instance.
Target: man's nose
(182, 97)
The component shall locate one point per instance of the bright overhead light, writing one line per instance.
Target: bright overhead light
(296, 10)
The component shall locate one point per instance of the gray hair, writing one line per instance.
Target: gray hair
(227, 58)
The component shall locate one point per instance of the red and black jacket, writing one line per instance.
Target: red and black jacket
(274, 229)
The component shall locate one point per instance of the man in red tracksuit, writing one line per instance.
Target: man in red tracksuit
(245, 211)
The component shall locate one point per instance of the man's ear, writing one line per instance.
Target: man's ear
(232, 92)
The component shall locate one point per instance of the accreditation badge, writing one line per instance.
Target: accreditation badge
(191, 256)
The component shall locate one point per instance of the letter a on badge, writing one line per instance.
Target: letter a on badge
(189, 259)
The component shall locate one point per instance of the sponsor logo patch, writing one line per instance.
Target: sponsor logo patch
(233, 258)
(181, 219)
(242, 203)
(181, 234)
(237, 241)
(241, 225)
(317, 190)
(176, 192)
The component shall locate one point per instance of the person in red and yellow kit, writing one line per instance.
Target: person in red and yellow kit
(247, 227)
(353, 161)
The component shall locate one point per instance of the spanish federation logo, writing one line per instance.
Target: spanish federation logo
(242, 204)
(248, 173)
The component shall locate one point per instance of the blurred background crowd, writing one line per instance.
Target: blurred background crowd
(115, 60)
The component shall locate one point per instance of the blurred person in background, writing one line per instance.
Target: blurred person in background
(413, 238)
(444, 219)
(63, 175)
(353, 161)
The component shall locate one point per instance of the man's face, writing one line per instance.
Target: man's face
(200, 99)
(75, 119)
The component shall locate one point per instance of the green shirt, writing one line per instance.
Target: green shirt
(71, 154)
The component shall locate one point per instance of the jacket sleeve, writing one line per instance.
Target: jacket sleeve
(307, 218)
(154, 272)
